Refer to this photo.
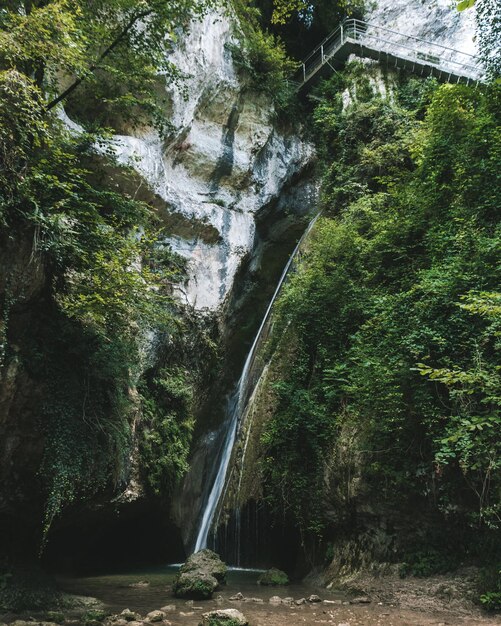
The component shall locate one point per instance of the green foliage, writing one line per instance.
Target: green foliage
(490, 587)
(55, 616)
(395, 310)
(167, 405)
(424, 563)
(465, 4)
(488, 16)
(27, 590)
(308, 10)
(263, 57)
(295, 442)
(491, 600)
(114, 49)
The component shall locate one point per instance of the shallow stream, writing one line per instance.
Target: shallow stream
(121, 590)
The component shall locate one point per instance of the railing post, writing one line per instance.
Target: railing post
(304, 72)
(322, 52)
(342, 34)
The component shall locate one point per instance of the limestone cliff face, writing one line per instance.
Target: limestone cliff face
(433, 20)
(224, 161)
(231, 167)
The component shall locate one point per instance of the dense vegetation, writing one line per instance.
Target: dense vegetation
(107, 276)
(393, 317)
(395, 313)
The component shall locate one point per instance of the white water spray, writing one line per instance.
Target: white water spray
(236, 406)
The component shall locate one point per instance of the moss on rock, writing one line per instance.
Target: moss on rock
(273, 578)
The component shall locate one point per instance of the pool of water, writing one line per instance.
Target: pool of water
(120, 590)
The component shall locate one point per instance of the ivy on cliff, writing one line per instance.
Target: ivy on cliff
(395, 306)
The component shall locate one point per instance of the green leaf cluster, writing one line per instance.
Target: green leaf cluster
(167, 427)
(263, 58)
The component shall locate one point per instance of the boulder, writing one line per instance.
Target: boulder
(198, 585)
(200, 576)
(273, 577)
(206, 561)
(238, 596)
(219, 617)
(337, 602)
(275, 600)
(313, 598)
(129, 616)
(155, 616)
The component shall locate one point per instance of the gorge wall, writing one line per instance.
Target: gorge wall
(231, 181)
(234, 185)
(363, 532)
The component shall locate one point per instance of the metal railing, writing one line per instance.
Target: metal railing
(367, 39)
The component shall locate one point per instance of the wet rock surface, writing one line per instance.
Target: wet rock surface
(200, 576)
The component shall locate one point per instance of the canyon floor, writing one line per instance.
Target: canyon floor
(383, 601)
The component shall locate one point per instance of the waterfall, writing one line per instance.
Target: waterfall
(236, 406)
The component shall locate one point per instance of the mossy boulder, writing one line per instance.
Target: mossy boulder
(200, 576)
(273, 578)
(94, 615)
(196, 585)
(206, 561)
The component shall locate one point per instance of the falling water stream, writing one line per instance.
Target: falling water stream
(236, 406)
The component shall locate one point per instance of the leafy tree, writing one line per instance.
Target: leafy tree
(308, 11)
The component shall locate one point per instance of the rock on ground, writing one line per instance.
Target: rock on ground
(222, 616)
(155, 616)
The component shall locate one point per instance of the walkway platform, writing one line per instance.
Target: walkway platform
(391, 49)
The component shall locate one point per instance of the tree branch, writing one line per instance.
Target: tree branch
(102, 56)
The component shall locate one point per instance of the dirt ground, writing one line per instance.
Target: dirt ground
(352, 615)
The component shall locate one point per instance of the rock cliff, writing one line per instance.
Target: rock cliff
(229, 180)
(432, 21)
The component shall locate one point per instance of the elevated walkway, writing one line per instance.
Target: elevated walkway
(392, 49)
